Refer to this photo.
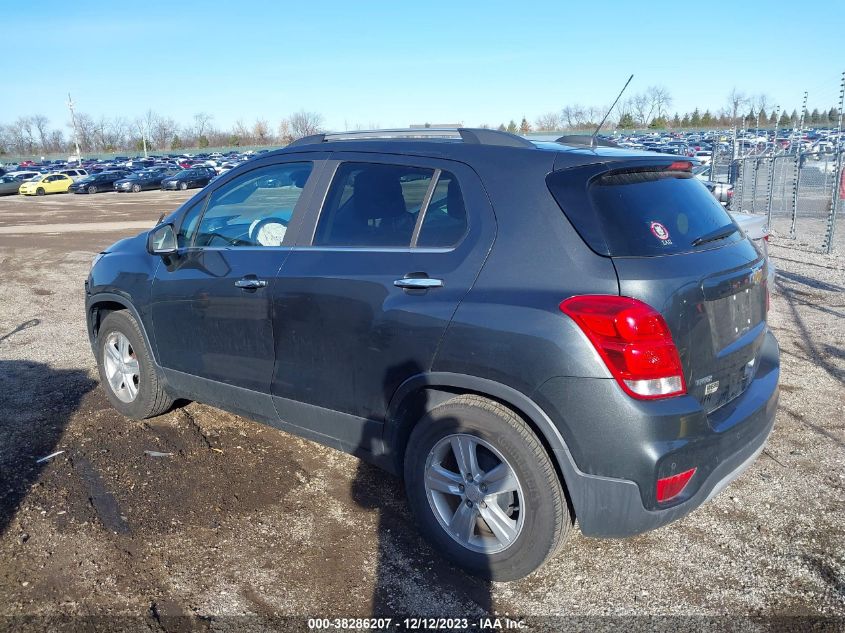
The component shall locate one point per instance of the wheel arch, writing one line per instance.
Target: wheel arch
(100, 305)
(421, 393)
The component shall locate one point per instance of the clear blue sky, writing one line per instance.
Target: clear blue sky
(395, 63)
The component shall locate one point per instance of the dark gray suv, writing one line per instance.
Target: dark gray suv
(529, 333)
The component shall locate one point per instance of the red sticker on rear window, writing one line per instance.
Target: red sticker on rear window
(660, 232)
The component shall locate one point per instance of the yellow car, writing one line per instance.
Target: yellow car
(48, 183)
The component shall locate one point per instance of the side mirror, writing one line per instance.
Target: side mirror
(162, 240)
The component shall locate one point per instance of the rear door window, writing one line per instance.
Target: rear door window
(373, 205)
(640, 211)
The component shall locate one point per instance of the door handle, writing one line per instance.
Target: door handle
(250, 283)
(418, 283)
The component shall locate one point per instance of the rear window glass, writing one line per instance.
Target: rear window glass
(640, 212)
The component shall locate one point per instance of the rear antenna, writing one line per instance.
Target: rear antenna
(593, 137)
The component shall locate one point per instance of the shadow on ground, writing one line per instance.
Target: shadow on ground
(36, 403)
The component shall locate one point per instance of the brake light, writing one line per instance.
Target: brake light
(680, 165)
(634, 342)
(670, 487)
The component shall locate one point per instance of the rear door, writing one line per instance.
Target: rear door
(367, 293)
(211, 303)
(677, 249)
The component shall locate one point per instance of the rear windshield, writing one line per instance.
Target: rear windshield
(639, 212)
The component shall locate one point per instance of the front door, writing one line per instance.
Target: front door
(366, 295)
(211, 303)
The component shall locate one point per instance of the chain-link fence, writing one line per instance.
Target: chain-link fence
(800, 193)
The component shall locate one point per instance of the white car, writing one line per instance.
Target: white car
(704, 157)
(73, 174)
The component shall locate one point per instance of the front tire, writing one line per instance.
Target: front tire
(40, 191)
(136, 188)
(183, 186)
(483, 489)
(127, 371)
(92, 189)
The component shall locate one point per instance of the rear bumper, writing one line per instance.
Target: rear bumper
(720, 446)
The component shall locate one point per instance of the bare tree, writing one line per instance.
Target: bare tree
(261, 131)
(736, 101)
(41, 123)
(304, 123)
(549, 121)
(163, 131)
(202, 122)
(640, 109)
(659, 101)
(285, 135)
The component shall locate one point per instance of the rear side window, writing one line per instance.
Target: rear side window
(639, 212)
(370, 204)
(445, 220)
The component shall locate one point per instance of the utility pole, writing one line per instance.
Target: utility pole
(75, 132)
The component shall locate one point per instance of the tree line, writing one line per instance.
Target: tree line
(651, 109)
(34, 135)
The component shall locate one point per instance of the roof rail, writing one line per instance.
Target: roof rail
(475, 136)
(583, 139)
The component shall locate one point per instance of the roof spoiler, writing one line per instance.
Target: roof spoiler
(583, 139)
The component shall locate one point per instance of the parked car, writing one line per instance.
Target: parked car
(97, 183)
(47, 183)
(23, 175)
(722, 191)
(9, 185)
(704, 157)
(73, 174)
(142, 180)
(525, 331)
(188, 179)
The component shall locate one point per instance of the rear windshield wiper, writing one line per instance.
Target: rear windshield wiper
(718, 234)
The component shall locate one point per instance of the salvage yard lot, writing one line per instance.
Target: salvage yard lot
(237, 518)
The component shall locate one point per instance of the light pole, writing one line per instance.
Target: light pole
(75, 133)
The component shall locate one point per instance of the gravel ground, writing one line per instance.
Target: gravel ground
(245, 521)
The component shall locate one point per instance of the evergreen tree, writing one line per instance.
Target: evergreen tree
(706, 119)
(176, 143)
(658, 123)
(815, 117)
(524, 126)
(833, 116)
(502, 127)
(685, 121)
(773, 119)
(512, 127)
(762, 116)
(202, 141)
(626, 122)
(793, 118)
(784, 120)
(676, 121)
(695, 118)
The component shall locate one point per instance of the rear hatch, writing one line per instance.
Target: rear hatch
(677, 249)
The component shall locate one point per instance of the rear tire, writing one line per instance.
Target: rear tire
(527, 525)
(133, 386)
(40, 191)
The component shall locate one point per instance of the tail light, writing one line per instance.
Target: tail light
(680, 165)
(633, 340)
(670, 487)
